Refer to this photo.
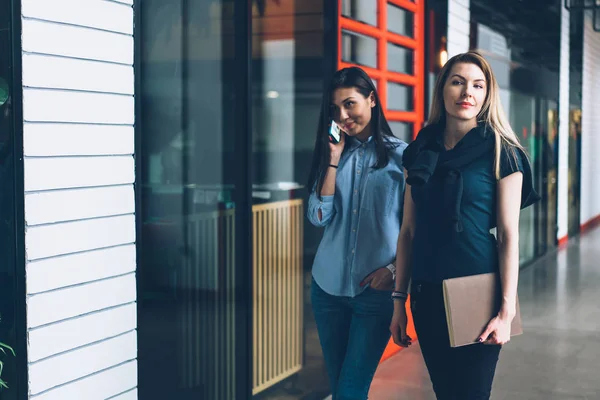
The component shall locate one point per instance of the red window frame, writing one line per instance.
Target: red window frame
(381, 74)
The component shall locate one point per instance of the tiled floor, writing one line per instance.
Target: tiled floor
(558, 357)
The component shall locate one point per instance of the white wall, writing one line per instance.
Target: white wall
(590, 126)
(563, 127)
(459, 17)
(78, 106)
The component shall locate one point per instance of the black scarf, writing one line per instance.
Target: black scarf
(425, 157)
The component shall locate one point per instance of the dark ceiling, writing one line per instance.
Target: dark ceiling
(532, 28)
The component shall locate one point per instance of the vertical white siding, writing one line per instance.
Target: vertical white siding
(563, 127)
(590, 125)
(459, 17)
(78, 107)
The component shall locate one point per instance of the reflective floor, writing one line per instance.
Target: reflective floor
(558, 357)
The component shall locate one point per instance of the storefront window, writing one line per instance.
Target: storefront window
(522, 119)
(288, 69)
(191, 330)
(528, 82)
(190, 286)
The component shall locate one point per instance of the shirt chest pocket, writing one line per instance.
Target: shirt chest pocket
(379, 192)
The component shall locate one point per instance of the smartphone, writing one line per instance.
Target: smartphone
(335, 133)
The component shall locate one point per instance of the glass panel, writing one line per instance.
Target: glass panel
(400, 97)
(187, 302)
(360, 10)
(522, 119)
(400, 20)
(400, 59)
(574, 169)
(359, 49)
(287, 91)
(402, 130)
(549, 145)
(8, 278)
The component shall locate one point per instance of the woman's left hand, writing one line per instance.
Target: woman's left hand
(497, 331)
(380, 279)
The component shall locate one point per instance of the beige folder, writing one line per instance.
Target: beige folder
(471, 302)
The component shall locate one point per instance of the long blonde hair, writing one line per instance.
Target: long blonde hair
(491, 113)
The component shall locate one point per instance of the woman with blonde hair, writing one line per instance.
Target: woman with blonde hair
(466, 173)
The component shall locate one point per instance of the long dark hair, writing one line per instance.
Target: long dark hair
(381, 132)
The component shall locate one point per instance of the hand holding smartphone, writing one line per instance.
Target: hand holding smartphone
(336, 142)
(335, 133)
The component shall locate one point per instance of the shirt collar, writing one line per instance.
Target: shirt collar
(354, 143)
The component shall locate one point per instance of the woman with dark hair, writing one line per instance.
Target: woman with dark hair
(467, 173)
(357, 191)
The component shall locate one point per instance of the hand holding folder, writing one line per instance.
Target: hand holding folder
(471, 302)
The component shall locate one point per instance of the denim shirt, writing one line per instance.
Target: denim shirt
(362, 219)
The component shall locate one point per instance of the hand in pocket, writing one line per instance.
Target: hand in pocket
(380, 279)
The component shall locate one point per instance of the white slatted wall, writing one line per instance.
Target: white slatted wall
(563, 127)
(590, 124)
(78, 107)
(459, 18)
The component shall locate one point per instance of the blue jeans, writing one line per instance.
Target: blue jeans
(353, 333)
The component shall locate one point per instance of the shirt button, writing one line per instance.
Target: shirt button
(354, 211)
(353, 230)
(358, 172)
(356, 192)
(352, 251)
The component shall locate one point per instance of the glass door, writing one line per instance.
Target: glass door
(193, 199)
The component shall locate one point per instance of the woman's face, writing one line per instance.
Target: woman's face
(464, 92)
(351, 110)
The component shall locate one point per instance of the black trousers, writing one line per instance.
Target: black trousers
(461, 373)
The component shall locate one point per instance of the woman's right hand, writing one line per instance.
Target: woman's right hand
(337, 148)
(398, 325)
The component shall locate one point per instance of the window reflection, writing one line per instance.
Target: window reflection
(359, 49)
(360, 10)
(529, 96)
(188, 288)
(186, 269)
(522, 118)
(400, 97)
(400, 21)
(402, 130)
(288, 69)
(400, 59)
